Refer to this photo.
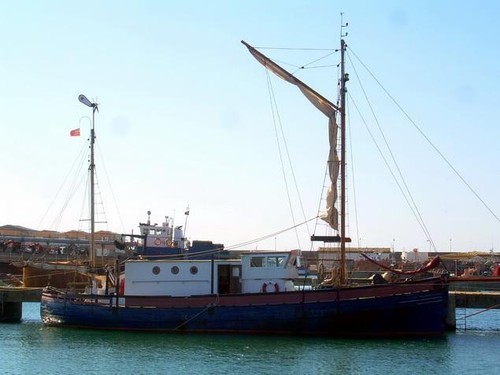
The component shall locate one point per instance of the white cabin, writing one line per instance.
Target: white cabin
(254, 272)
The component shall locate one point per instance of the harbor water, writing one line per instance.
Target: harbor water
(31, 348)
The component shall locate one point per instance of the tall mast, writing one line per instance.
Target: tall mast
(92, 204)
(92, 250)
(343, 79)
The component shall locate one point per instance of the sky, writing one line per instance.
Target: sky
(185, 118)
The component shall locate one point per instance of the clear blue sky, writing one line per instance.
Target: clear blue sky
(185, 117)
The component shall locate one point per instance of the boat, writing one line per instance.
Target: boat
(38, 271)
(166, 239)
(257, 292)
(59, 274)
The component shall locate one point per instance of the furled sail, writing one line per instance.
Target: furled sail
(329, 110)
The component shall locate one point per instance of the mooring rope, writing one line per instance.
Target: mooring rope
(210, 305)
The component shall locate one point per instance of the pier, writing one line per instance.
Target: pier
(481, 300)
(473, 292)
(11, 302)
(476, 292)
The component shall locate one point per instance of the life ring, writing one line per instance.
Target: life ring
(157, 242)
(168, 243)
(275, 285)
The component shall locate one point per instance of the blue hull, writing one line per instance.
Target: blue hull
(363, 311)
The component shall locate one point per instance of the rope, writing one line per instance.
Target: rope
(270, 235)
(480, 312)
(210, 305)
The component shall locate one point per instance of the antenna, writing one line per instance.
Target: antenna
(186, 221)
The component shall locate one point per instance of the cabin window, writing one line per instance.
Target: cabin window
(156, 270)
(257, 262)
(174, 270)
(275, 261)
(193, 270)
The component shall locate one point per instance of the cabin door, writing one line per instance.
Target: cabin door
(229, 279)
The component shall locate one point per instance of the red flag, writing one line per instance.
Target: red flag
(75, 132)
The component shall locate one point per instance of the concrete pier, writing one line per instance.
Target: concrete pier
(451, 317)
(482, 300)
(11, 302)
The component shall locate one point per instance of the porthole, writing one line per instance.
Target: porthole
(156, 270)
(175, 270)
(193, 270)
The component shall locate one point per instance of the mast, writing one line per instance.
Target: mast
(92, 250)
(343, 79)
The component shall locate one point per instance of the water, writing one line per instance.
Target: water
(31, 348)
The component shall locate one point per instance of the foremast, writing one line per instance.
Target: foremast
(344, 77)
(92, 251)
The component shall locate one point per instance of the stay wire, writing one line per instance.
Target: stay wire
(235, 246)
(276, 122)
(427, 139)
(250, 242)
(305, 66)
(110, 187)
(353, 174)
(384, 138)
(285, 145)
(78, 177)
(387, 163)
